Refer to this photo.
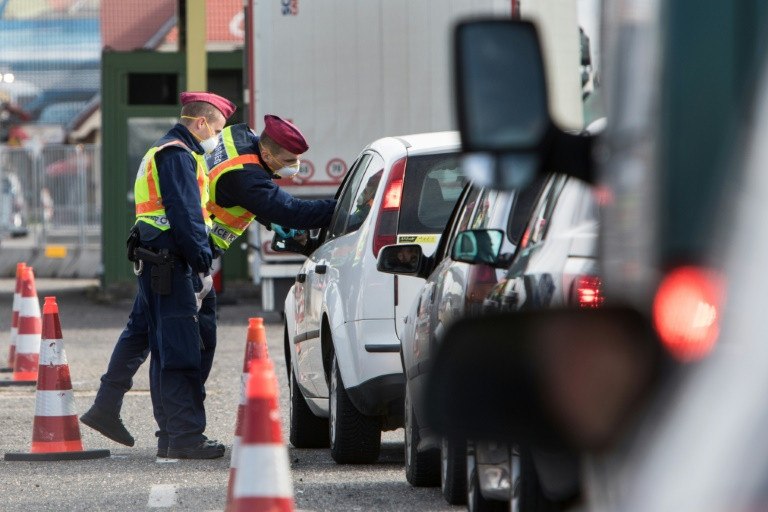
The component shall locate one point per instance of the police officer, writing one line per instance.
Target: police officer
(241, 170)
(174, 259)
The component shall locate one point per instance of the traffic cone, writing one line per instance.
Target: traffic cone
(263, 480)
(27, 351)
(56, 431)
(15, 317)
(255, 348)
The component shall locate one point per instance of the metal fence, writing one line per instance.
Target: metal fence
(51, 195)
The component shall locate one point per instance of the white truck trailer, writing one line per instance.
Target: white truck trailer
(347, 72)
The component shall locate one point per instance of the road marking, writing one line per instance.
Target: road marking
(163, 495)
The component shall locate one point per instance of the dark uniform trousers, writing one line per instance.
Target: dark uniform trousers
(182, 356)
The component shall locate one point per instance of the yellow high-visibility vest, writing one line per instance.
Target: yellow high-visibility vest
(147, 193)
(228, 222)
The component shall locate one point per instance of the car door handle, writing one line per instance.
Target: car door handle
(300, 278)
(321, 269)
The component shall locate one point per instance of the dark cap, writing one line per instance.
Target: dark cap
(225, 106)
(285, 134)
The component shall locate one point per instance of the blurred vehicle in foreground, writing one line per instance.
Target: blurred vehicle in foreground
(666, 381)
(343, 318)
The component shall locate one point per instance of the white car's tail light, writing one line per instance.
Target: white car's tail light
(386, 223)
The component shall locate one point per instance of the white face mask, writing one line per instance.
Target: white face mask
(209, 144)
(290, 171)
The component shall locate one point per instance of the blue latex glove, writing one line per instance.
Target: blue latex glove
(285, 232)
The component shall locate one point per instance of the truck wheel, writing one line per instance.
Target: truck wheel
(422, 469)
(355, 438)
(307, 430)
(453, 470)
(475, 500)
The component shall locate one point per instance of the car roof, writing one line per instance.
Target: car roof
(420, 142)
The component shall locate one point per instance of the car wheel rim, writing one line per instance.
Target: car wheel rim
(471, 488)
(408, 429)
(333, 400)
(516, 481)
(443, 463)
(291, 391)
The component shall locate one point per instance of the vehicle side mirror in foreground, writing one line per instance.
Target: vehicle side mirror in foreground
(477, 246)
(404, 259)
(555, 377)
(503, 110)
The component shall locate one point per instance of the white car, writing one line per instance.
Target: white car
(343, 318)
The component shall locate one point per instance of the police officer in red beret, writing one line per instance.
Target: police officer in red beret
(173, 261)
(241, 173)
(236, 199)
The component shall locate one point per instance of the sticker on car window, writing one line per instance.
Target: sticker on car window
(417, 239)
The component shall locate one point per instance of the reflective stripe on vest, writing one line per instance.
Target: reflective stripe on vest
(229, 222)
(147, 193)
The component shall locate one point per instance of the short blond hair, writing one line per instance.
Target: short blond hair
(269, 143)
(197, 109)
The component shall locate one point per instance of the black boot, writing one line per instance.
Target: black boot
(109, 425)
(205, 449)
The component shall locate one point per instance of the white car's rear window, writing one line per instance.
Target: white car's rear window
(431, 187)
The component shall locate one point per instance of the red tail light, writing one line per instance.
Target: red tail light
(480, 280)
(386, 223)
(587, 292)
(686, 311)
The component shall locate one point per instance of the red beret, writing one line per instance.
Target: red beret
(225, 106)
(285, 134)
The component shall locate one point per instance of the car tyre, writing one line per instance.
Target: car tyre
(453, 471)
(531, 497)
(355, 438)
(475, 500)
(306, 429)
(422, 469)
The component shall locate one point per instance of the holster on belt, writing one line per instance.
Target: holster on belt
(132, 243)
(162, 268)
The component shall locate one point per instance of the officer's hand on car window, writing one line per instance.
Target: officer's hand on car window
(283, 232)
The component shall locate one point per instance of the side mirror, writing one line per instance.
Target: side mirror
(554, 377)
(502, 91)
(503, 110)
(478, 246)
(402, 259)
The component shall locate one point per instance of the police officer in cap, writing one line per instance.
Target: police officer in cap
(241, 169)
(174, 258)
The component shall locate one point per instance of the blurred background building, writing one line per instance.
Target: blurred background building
(50, 58)
(52, 80)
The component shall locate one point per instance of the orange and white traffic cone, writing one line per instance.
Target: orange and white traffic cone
(15, 317)
(263, 480)
(56, 431)
(255, 348)
(27, 351)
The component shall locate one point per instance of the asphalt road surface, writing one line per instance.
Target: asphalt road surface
(133, 478)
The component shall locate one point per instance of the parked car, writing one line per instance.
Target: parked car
(13, 205)
(50, 97)
(452, 289)
(343, 318)
(555, 266)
